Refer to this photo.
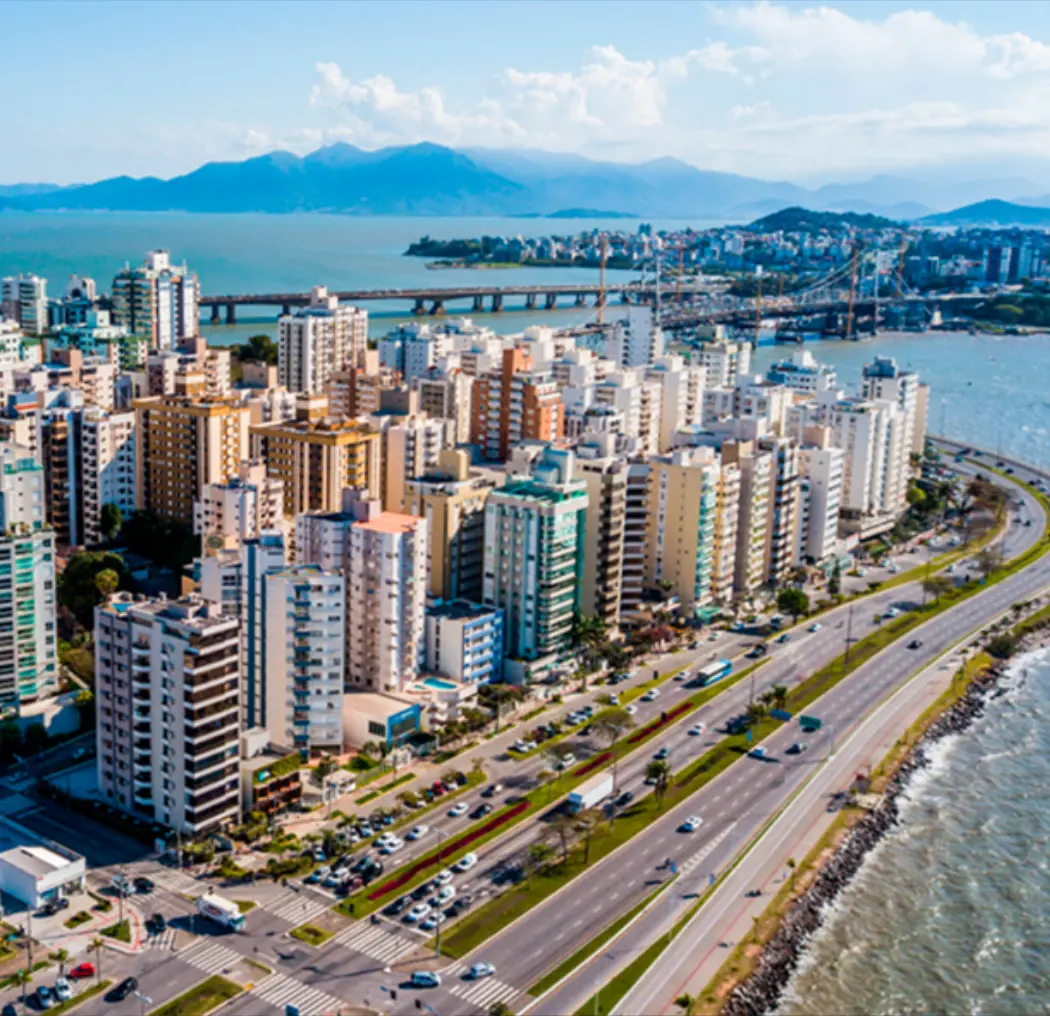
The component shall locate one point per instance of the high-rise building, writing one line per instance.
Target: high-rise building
(883, 379)
(184, 445)
(108, 467)
(227, 514)
(446, 395)
(465, 642)
(780, 556)
(167, 692)
(158, 301)
(802, 373)
(23, 298)
(725, 363)
(317, 459)
(681, 396)
(635, 535)
(637, 400)
(28, 636)
(638, 340)
(452, 501)
(317, 340)
(821, 474)
(515, 404)
(534, 550)
(756, 489)
(410, 445)
(60, 455)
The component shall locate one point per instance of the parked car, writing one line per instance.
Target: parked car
(63, 990)
(44, 997)
(54, 906)
(82, 970)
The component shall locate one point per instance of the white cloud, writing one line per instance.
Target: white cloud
(774, 91)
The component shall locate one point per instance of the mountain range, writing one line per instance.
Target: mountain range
(429, 179)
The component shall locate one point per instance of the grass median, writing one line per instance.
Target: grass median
(201, 998)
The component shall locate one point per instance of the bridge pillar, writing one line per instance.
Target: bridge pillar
(581, 299)
(231, 313)
(530, 301)
(599, 299)
(286, 309)
(420, 307)
(551, 302)
(437, 307)
(497, 303)
(215, 318)
(624, 298)
(479, 303)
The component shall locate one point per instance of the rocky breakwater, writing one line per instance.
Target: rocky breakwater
(762, 990)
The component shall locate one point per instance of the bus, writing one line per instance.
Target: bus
(714, 672)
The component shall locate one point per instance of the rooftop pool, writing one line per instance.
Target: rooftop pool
(436, 682)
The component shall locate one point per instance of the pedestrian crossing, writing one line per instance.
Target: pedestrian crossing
(483, 993)
(377, 941)
(281, 990)
(297, 907)
(165, 940)
(177, 881)
(211, 957)
(689, 864)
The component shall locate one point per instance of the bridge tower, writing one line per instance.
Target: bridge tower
(600, 301)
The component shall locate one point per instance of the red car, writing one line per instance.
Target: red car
(438, 788)
(82, 970)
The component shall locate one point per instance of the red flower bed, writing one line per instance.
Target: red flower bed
(433, 860)
(594, 763)
(653, 727)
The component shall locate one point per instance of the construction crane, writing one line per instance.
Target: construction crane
(852, 294)
(900, 263)
(758, 311)
(601, 280)
(681, 262)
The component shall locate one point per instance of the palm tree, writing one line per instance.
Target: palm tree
(589, 632)
(61, 957)
(22, 978)
(660, 773)
(97, 946)
(477, 769)
(756, 711)
(586, 822)
(609, 726)
(779, 694)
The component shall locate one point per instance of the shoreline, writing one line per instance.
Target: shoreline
(764, 988)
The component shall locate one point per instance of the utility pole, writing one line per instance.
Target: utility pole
(849, 636)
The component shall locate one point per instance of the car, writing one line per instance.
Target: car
(460, 809)
(417, 913)
(156, 923)
(624, 799)
(143, 885)
(122, 990)
(365, 830)
(9, 1009)
(651, 695)
(63, 990)
(425, 979)
(631, 709)
(391, 847)
(568, 759)
(443, 877)
(44, 997)
(797, 748)
(759, 752)
(481, 810)
(387, 837)
(696, 730)
(53, 906)
(320, 856)
(757, 651)
(397, 907)
(662, 754)
(465, 863)
(915, 644)
(492, 790)
(422, 891)
(691, 824)
(681, 677)
(446, 894)
(433, 921)
(82, 970)
(417, 832)
(814, 627)
(614, 699)
(480, 970)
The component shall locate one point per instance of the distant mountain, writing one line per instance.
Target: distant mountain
(589, 213)
(19, 189)
(805, 220)
(993, 212)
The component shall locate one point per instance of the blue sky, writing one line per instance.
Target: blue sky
(779, 90)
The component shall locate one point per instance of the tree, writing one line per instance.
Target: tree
(935, 586)
(22, 979)
(659, 772)
(778, 696)
(370, 749)
(609, 726)
(756, 711)
(107, 582)
(323, 770)
(586, 822)
(77, 589)
(562, 826)
(539, 855)
(258, 349)
(793, 602)
(111, 518)
(589, 632)
(987, 562)
(1002, 647)
(61, 957)
(97, 946)
(835, 580)
(687, 1003)
(916, 497)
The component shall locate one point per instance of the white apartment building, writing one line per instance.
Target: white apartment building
(167, 690)
(28, 636)
(410, 446)
(11, 338)
(681, 396)
(413, 349)
(636, 341)
(725, 363)
(227, 514)
(628, 393)
(802, 373)
(446, 396)
(883, 379)
(820, 497)
(303, 657)
(107, 469)
(158, 301)
(316, 341)
(23, 298)
(756, 492)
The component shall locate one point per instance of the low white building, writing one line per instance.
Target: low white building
(35, 870)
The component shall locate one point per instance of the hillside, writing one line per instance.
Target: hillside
(993, 212)
(805, 220)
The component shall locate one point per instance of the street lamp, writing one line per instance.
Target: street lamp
(144, 999)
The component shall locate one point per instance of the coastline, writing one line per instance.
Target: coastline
(842, 855)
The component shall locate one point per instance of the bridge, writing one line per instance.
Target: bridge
(432, 300)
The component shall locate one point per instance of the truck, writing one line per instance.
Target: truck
(810, 723)
(220, 910)
(591, 793)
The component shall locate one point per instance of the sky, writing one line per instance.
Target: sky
(792, 90)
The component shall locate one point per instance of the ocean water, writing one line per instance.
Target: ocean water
(949, 915)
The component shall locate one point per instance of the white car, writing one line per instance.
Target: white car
(630, 710)
(63, 990)
(892, 612)
(417, 913)
(460, 809)
(465, 863)
(565, 761)
(386, 837)
(444, 895)
(691, 824)
(480, 970)
(443, 877)
(815, 626)
(417, 832)
(651, 695)
(696, 730)
(391, 847)
(433, 921)
(614, 699)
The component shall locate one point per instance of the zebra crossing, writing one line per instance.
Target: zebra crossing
(689, 864)
(297, 907)
(165, 940)
(377, 941)
(211, 957)
(484, 993)
(280, 990)
(177, 881)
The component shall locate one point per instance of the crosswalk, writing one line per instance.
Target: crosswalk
(377, 941)
(165, 940)
(484, 993)
(177, 881)
(689, 864)
(297, 907)
(211, 957)
(280, 990)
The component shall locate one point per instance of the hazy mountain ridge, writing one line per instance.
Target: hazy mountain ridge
(428, 179)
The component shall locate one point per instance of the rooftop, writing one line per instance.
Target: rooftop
(461, 610)
(390, 522)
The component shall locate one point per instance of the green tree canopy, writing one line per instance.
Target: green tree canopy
(794, 602)
(78, 589)
(111, 518)
(258, 349)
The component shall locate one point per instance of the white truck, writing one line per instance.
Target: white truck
(591, 793)
(221, 911)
